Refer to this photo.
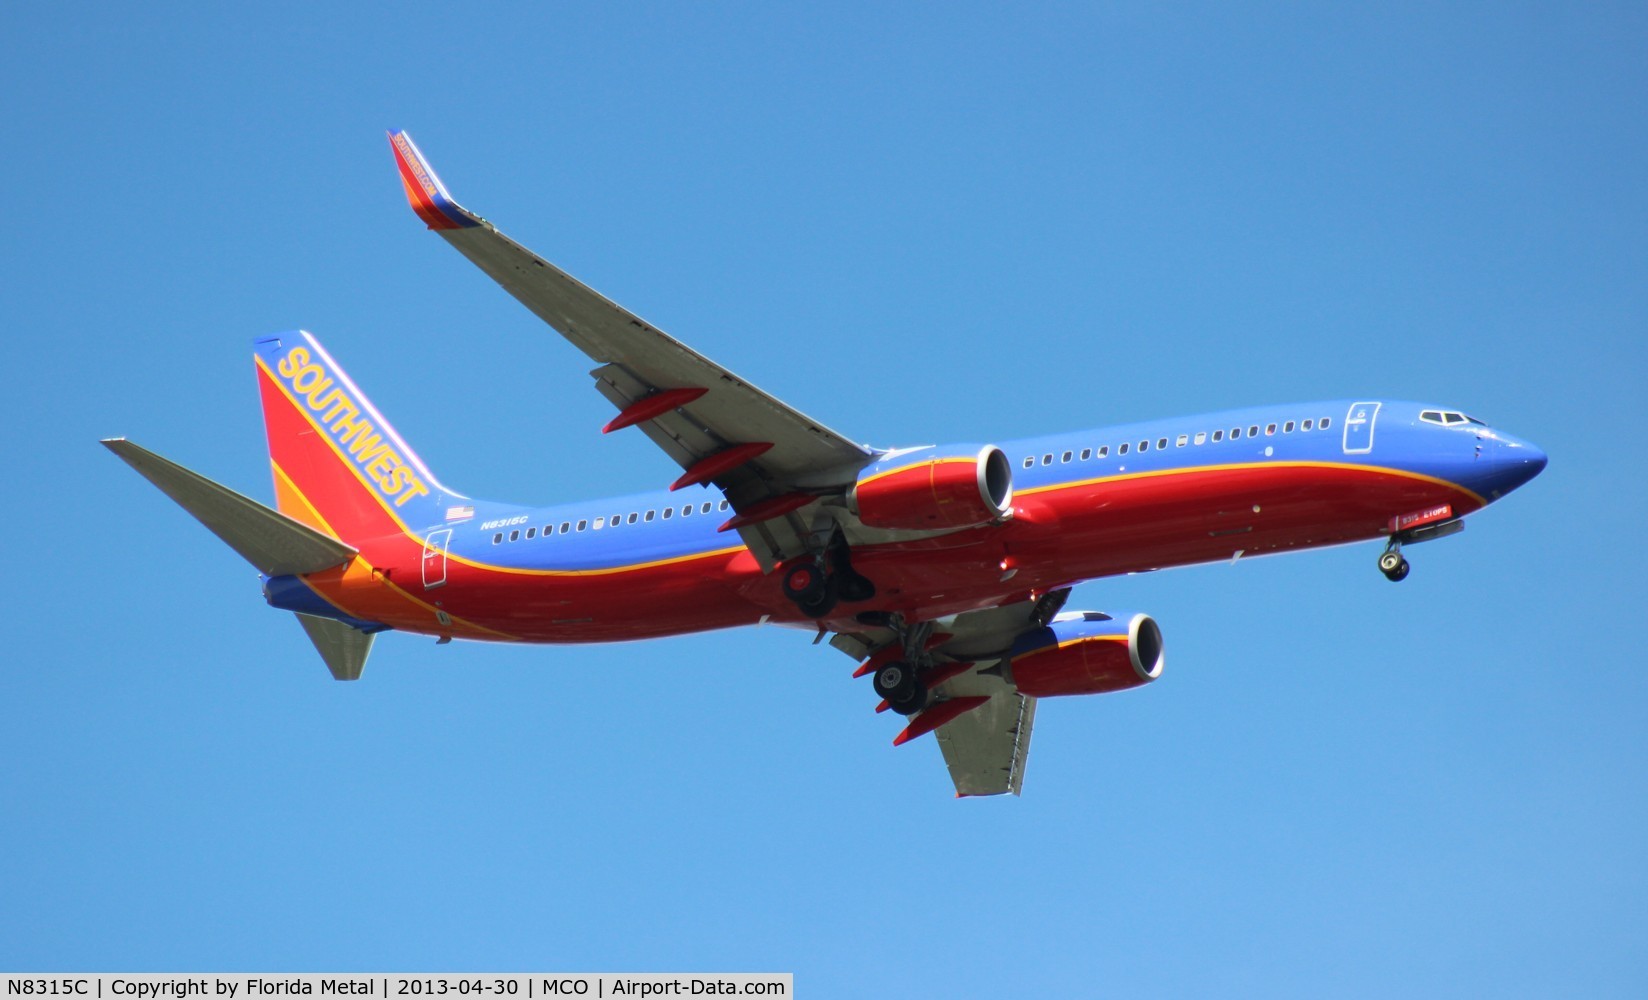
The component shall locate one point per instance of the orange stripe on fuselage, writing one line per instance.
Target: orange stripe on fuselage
(357, 587)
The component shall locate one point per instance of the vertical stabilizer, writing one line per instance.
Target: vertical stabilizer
(338, 464)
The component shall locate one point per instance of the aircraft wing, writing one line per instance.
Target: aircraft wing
(767, 457)
(986, 746)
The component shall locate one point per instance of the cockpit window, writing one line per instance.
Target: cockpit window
(1448, 418)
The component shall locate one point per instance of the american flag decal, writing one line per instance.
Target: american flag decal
(459, 513)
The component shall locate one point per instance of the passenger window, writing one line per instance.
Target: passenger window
(582, 524)
(515, 535)
(1065, 457)
(633, 517)
(1218, 436)
(1306, 425)
(1047, 459)
(566, 526)
(1325, 423)
(724, 505)
(1184, 439)
(706, 508)
(667, 512)
(1201, 437)
(1270, 429)
(1253, 431)
(531, 533)
(497, 538)
(1087, 453)
(1104, 450)
(686, 511)
(1144, 445)
(1287, 428)
(1235, 432)
(1029, 460)
(549, 529)
(1162, 443)
(1123, 449)
(600, 523)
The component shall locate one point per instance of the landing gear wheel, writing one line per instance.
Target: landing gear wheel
(805, 582)
(894, 681)
(911, 705)
(898, 684)
(820, 604)
(1393, 565)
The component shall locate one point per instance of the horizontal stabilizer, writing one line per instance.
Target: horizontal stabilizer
(344, 649)
(274, 543)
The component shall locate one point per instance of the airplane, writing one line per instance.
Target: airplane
(943, 571)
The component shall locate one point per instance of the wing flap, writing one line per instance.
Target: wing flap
(986, 749)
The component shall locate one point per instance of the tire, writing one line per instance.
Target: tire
(820, 604)
(894, 681)
(1391, 561)
(912, 703)
(805, 583)
(1400, 573)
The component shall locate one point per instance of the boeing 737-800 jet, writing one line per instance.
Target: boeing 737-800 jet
(943, 570)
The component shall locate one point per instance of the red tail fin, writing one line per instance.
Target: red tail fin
(338, 465)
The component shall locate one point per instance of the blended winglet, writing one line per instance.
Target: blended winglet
(424, 189)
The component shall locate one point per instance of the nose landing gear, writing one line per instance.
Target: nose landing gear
(1392, 564)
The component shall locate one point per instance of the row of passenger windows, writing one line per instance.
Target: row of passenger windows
(1200, 437)
(634, 517)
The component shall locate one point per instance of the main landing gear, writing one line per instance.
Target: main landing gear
(898, 684)
(816, 585)
(1392, 564)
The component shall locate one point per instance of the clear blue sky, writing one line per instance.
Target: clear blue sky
(944, 222)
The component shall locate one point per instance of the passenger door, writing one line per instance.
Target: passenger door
(434, 558)
(1359, 428)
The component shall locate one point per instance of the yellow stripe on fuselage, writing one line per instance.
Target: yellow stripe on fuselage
(1184, 470)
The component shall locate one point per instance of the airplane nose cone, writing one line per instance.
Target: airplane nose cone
(1515, 461)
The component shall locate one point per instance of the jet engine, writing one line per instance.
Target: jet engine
(1086, 652)
(928, 488)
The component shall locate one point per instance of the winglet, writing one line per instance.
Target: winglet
(425, 190)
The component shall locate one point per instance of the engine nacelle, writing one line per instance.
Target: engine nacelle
(952, 487)
(1086, 652)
